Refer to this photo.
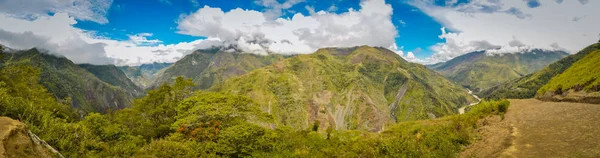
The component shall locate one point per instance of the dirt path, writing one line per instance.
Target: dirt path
(533, 128)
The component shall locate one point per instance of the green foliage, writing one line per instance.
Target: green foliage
(479, 71)
(114, 76)
(212, 66)
(582, 75)
(216, 125)
(348, 88)
(68, 81)
(527, 86)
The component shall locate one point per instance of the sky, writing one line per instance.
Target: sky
(134, 32)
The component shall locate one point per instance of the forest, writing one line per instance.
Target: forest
(175, 121)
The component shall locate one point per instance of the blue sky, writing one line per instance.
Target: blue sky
(133, 32)
(417, 31)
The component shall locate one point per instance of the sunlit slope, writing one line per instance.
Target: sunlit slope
(480, 70)
(348, 88)
(527, 86)
(212, 66)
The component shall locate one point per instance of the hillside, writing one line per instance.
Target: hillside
(143, 75)
(211, 66)
(527, 86)
(64, 80)
(479, 70)
(348, 88)
(114, 76)
(579, 83)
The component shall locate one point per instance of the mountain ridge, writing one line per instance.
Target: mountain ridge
(481, 70)
(348, 88)
(528, 85)
(67, 81)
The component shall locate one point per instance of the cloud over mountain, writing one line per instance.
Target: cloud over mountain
(252, 31)
(512, 25)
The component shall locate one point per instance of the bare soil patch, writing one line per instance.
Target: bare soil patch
(533, 128)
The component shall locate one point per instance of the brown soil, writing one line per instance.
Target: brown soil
(533, 128)
(15, 141)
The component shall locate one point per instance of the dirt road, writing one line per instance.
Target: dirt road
(533, 128)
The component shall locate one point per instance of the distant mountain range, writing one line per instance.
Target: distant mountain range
(480, 70)
(348, 88)
(574, 78)
(212, 66)
(144, 75)
(342, 88)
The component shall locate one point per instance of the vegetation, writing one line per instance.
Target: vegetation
(113, 76)
(173, 121)
(582, 75)
(479, 70)
(527, 86)
(361, 88)
(67, 81)
(144, 75)
(212, 66)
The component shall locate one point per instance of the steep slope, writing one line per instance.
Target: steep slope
(64, 79)
(579, 83)
(349, 88)
(211, 66)
(479, 70)
(527, 86)
(114, 76)
(143, 75)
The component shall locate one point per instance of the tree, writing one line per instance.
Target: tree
(153, 115)
(202, 116)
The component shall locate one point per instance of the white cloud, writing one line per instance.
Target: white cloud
(246, 30)
(92, 10)
(371, 25)
(57, 35)
(513, 26)
(140, 39)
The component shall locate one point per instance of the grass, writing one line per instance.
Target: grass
(582, 75)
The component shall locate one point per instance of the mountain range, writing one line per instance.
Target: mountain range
(143, 75)
(573, 78)
(481, 70)
(348, 88)
(105, 90)
(208, 67)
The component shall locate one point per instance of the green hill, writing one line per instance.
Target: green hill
(211, 66)
(143, 75)
(362, 88)
(479, 71)
(64, 79)
(527, 86)
(578, 83)
(114, 76)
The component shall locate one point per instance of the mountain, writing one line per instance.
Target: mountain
(348, 88)
(211, 66)
(114, 76)
(64, 79)
(480, 70)
(527, 86)
(578, 83)
(143, 75)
